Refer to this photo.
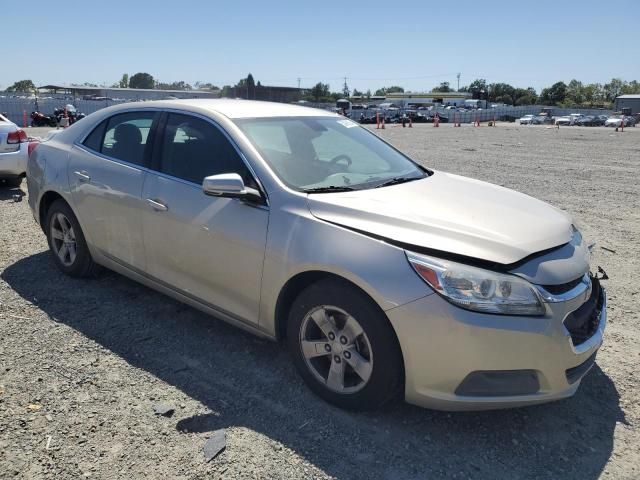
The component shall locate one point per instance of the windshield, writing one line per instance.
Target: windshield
(327, 153)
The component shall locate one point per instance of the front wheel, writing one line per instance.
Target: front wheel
(344, 347)
(67, 243)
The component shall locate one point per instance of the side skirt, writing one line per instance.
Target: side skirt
(134, 274)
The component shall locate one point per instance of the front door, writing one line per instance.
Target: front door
(208, 248)
(106, 175)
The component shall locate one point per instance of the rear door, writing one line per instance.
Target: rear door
(207, 248)
(106, 175)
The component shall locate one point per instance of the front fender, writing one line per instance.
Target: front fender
(298, 242)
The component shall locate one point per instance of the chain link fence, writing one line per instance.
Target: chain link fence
(18, 109)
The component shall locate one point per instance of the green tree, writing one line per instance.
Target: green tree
(554, 95)
(593, 94)
(525, 96)
(320, 91)
(443, 87)
(501, 92)
(392, 89)
(227, 91)
(476, 88)
(630, 88)
(181, 85)
(22, 86)
(246, 88)
(206, 86)
(124, 81)
(613, 89)
(251, 87)
(575, 93)
(142, 80)
(356, 93)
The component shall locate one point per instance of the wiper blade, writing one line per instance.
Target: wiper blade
(397, 180)
(330, 188)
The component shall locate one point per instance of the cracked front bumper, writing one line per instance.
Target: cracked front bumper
(443, 344)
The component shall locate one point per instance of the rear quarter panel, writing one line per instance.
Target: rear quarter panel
(47, 171)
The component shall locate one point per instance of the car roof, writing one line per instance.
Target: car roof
(237, 108)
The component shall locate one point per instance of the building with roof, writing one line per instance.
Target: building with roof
(631, 102)
(91, 93)
(428, 98)
(267, 93)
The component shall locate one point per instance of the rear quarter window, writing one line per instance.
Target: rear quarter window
(94, 139)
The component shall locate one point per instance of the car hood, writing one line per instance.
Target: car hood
(452, 214)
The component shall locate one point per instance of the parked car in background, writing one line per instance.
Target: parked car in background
(570, 119)
(591, 120)
(616, 121)
(14, 148)
(542, 119)
(301, 226)
(526, 120)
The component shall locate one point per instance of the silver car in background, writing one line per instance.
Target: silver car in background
(385, 279)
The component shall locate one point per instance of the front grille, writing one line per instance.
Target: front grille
(563, 287)
(583, 322)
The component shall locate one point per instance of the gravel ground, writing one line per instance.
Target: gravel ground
(82, 363)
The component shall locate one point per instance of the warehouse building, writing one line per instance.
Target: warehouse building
(419, 99)
(631, 102)
(92, 93)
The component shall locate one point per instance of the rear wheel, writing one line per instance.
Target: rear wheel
(67, 243)
(344, 347)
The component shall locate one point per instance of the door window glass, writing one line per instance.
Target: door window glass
(126, 136)
(194, 149)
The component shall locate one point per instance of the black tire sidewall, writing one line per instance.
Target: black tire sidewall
(387, 377)
(83, 264)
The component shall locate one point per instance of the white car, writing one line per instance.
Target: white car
(567, 119)
(526, 120)
(616, 121)
(14, 149)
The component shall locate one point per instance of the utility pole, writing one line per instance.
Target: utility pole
(345, 88)
(458, 81)
(299, 83)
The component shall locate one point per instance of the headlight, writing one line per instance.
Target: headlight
(478, 289)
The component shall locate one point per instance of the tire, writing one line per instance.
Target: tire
(10, 182)
(80, 264)
(375, 350)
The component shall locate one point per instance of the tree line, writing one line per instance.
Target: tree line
(574, 93)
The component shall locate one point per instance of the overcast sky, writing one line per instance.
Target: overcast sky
(416, 44)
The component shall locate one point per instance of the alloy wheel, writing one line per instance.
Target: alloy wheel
(63, 239)
(336, 349)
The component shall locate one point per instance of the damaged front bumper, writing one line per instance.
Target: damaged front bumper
(456, 359)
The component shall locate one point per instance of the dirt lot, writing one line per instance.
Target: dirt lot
(83, 362)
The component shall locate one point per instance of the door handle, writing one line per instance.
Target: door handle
(82, 176)
(160, 207)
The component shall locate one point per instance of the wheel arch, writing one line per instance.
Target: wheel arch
(45, 203)
(296, 284)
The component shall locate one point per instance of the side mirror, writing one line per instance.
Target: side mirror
(229, 185)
